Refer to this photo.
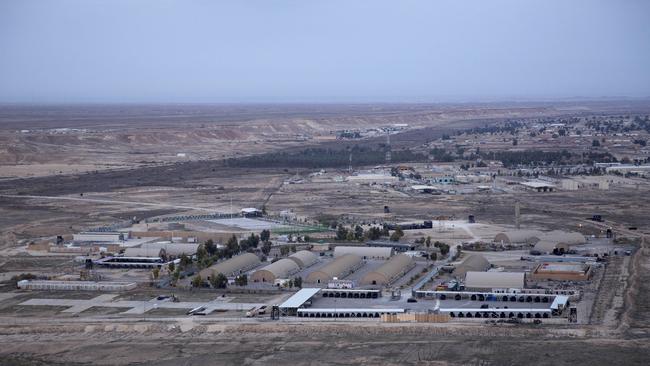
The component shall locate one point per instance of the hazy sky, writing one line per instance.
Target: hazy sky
(265, 51)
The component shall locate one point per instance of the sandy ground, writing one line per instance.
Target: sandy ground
(620, 324)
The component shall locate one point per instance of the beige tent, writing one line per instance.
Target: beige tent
(389, 271)
(280, 269)
(340, 267)
(232, 267)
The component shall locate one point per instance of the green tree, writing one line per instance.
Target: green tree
(197, 281)
(284, 250)
(253, 241)
(297, 282)
(171, 266)
(232, 245)
(374, 233)
(201, 252)
(397, 234)
(185, 260)
(428, 242)
(265, 235)
(218, 280)
(210, 247)
(341, 232)
(293, 249)
(155, 273)
(241, 280)
(358, 233)
(266, 247)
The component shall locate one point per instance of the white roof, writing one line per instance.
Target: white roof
(494, 280)
(559, 300)
(299, 298)
(537, 184)
(420, 187)
(343, 310)
(249, 210)
(373, 252)
(493, 310)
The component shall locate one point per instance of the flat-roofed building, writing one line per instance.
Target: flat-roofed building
(561, 272)
(167, 250)
(98, 237)
(539, 186)
(339, 268)
(487, 281)
(364, 252)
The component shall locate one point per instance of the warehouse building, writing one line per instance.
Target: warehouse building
(561, 272)
(339, 268)
(489, 281)
(98, 237)
(75, 285)
(518, 237)
(304, 258)
(143, 252)
(232, 267)
(539, 186)
(390, 271)
(173, 249)
(276, 270)
(397, 247)
(471, 263)
(364, 252)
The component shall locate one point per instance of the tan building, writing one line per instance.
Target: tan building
(390, 271)
(232, 267)
(304, 258)
(518, 237)
(276, 270)
(561, 272)
(471, 263)
(364, 252)
(487, 281)
(339, 268)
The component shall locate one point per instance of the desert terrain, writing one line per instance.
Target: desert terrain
(67, 169)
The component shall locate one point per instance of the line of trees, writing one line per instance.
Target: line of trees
(325, 158)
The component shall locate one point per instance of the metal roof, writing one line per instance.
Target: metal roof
(232, 266)
(537, 184)
(299, 298)
(304, 258)
(493, 310)
(494, 280)
(343, 310)
(388, 271)
(279, 269)
(560, 300)
(372, 252)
